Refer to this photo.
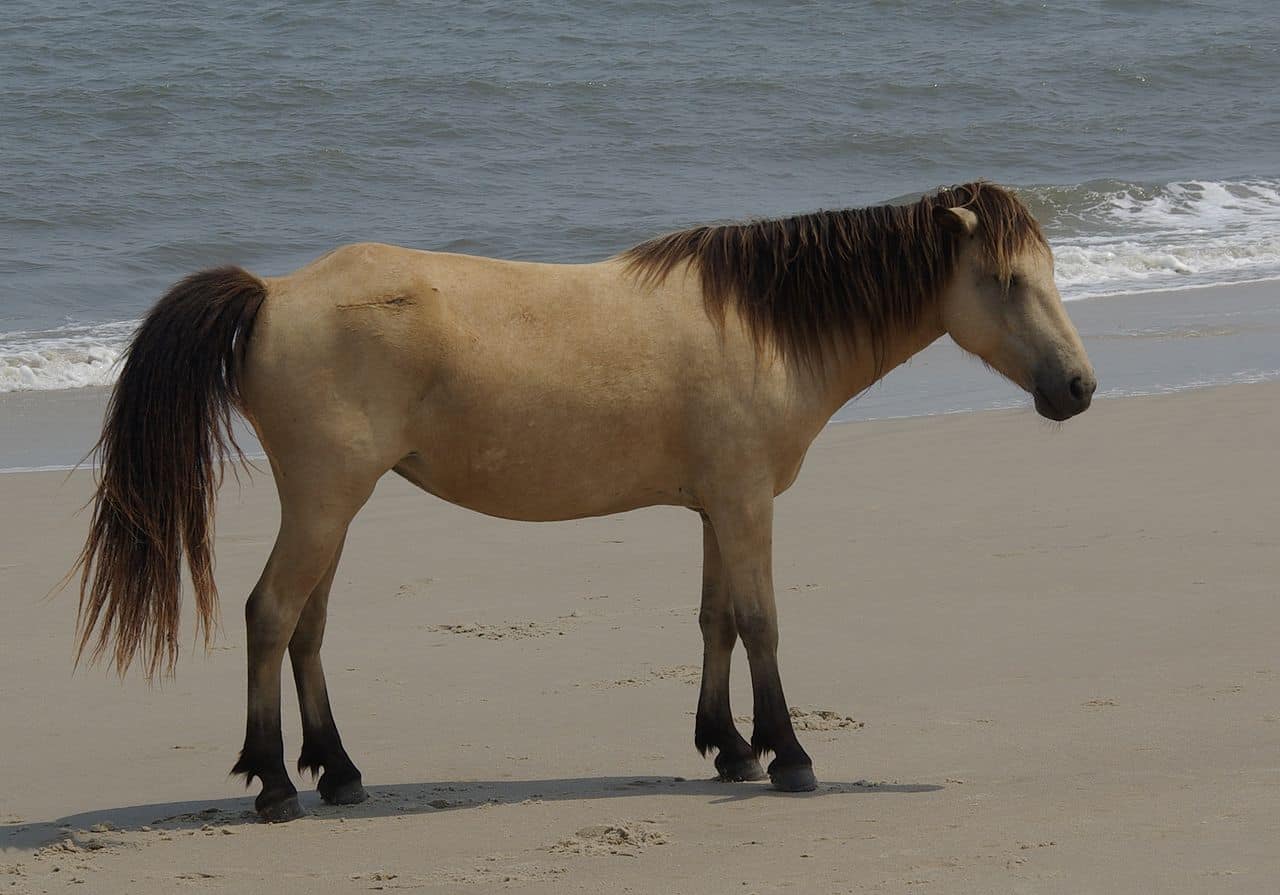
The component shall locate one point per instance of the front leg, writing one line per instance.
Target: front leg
(714, 728)
(744, 533)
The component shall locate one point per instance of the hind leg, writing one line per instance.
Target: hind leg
(340, 783)
(312, 527)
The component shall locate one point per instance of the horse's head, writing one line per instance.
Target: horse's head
(1002, 305)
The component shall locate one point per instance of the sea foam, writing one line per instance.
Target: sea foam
(1113, 238)
(72, 356)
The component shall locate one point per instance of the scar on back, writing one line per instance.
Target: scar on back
(390, 301)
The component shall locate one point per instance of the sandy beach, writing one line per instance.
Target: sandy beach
(1024, 657)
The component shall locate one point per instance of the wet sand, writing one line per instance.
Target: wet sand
(1024, 657)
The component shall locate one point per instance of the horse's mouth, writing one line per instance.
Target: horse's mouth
(1050, 411)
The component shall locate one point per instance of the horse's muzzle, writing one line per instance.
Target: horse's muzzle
(1065, 397)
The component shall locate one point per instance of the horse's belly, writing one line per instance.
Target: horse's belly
(556, 483)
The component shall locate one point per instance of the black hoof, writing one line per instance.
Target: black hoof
(797, 778)
(349, 793)
(280, 812)
(740, 770)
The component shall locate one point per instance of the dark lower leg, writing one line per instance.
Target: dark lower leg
(322, 750)
(302, 555)
(791, 768)
(744, 532)
(714, 727)
(263, 752)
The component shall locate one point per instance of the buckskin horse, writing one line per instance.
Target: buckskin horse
(693, 370)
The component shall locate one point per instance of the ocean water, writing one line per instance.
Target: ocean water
(140, 141)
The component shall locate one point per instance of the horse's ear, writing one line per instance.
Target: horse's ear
(960, 221)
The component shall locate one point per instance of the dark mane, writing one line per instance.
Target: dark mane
(805, 282)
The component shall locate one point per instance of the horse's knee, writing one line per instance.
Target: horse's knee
(260, 612)
(758, 630)
(717, 624)
(269, 617)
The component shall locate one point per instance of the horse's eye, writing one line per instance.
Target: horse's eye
(1007, 286)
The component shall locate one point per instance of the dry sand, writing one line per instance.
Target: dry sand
(1025, 658)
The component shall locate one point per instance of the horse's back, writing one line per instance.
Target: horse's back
(370, 314)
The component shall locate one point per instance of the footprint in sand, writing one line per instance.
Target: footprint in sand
(497, 632)
(496, 869)
(79, 843)
(815, 719)
(821, 719)
(415, 588)
(625, 838)
(202, 817)
(686, 674)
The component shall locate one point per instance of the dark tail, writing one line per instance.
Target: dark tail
(160, 457)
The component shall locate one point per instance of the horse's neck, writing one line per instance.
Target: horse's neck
(849, 372)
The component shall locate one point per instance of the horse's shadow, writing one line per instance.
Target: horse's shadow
(400, 799)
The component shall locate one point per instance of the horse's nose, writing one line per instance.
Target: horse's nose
(1082, 389)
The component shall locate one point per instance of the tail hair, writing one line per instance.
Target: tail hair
(167, 435)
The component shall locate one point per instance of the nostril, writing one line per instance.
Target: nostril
(1078, 389)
